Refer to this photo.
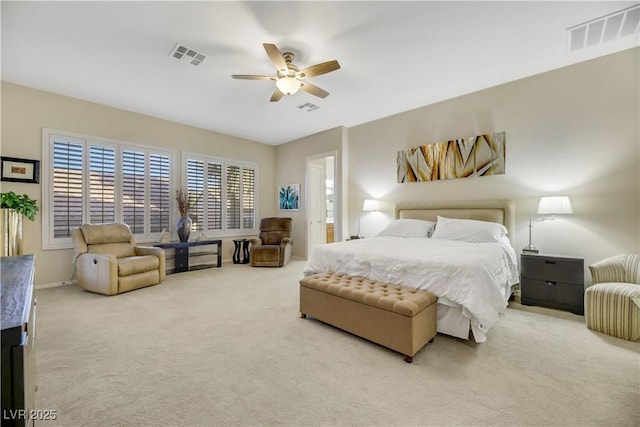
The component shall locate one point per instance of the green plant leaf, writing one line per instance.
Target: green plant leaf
(22, 204)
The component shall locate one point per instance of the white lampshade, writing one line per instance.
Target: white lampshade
(551, 205)
(370, 205)
(288, 85)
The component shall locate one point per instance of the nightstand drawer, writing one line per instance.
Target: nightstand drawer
(554, 270)
(558, 294)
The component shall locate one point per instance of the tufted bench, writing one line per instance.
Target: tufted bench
(400, 318)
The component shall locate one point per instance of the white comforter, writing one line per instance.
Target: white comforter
(473, 276)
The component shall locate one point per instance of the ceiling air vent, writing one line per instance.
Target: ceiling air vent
(183, 53)
(604, 29)
(309, 107)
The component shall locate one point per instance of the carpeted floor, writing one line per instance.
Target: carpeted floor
(226, 346)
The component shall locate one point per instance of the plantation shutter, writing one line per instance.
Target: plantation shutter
(214, 196)
(133, 189)
(222, 194)
(248, 198)
(94, 180)
(195, 189)
(102, 184)
(159, 198)
(233, 197)
(67, 187)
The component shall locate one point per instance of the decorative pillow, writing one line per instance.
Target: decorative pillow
(408, 228)
(469, 230)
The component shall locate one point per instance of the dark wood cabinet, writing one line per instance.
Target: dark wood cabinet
(552, 281)
(18, 341)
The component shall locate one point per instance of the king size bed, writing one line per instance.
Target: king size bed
(460, 251)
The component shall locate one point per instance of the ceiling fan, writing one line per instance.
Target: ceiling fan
(289, 77)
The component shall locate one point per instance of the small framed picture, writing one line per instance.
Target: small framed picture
(20, 170)
(289, 197)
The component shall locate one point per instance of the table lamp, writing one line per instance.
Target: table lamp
(368, 206)
(548, 205)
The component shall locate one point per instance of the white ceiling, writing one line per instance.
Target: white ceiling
(394, 56)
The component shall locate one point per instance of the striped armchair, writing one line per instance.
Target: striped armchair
(612, 304)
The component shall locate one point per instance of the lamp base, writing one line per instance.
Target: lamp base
(530, 250)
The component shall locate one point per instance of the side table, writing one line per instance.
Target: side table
(241, 252)
(553, 281)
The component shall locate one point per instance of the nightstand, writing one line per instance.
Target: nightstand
(552, 281)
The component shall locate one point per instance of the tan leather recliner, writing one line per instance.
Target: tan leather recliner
(273, 246)
(109, 262)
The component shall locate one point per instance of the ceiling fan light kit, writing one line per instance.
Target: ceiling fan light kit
(288, 85)
(289, 76)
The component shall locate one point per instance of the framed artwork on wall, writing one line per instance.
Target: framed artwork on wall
(20, 170)
(480, 155)
(289, 197)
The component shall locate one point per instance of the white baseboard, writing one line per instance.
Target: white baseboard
(54, 284)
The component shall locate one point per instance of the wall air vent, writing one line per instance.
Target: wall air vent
(183, 53)
(613, 26)
(309, 107)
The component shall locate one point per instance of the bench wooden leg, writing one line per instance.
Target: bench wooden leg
(431, 340)
(302, 315)
(408, 358)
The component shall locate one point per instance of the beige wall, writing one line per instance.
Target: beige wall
(291, 161)
(572, 131)
(26, 111)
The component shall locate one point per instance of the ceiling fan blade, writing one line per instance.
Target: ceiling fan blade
(318, 69)
(251, 77)
(276, 56)
(314, 90)
(277, 95)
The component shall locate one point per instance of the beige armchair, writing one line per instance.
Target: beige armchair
(109, 262)
(273, 246)
(612, 303)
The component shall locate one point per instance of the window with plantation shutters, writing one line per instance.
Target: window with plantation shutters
(95, 180)
(222, 194)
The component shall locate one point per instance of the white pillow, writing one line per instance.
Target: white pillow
(408, 228)
(469, 230)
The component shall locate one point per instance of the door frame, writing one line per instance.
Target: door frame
(337, 196)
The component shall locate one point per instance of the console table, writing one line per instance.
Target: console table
(18, 341)
(182, 254)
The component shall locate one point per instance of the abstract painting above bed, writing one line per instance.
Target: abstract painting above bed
(480, 155)
(472, 279)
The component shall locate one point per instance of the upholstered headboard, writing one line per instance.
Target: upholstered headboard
(500, 211)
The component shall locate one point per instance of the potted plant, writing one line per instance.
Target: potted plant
(13, 207)
(23, 205)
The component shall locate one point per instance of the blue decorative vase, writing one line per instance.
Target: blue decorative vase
(184, 228)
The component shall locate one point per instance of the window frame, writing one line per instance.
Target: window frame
(49, 241)
(225, 162)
